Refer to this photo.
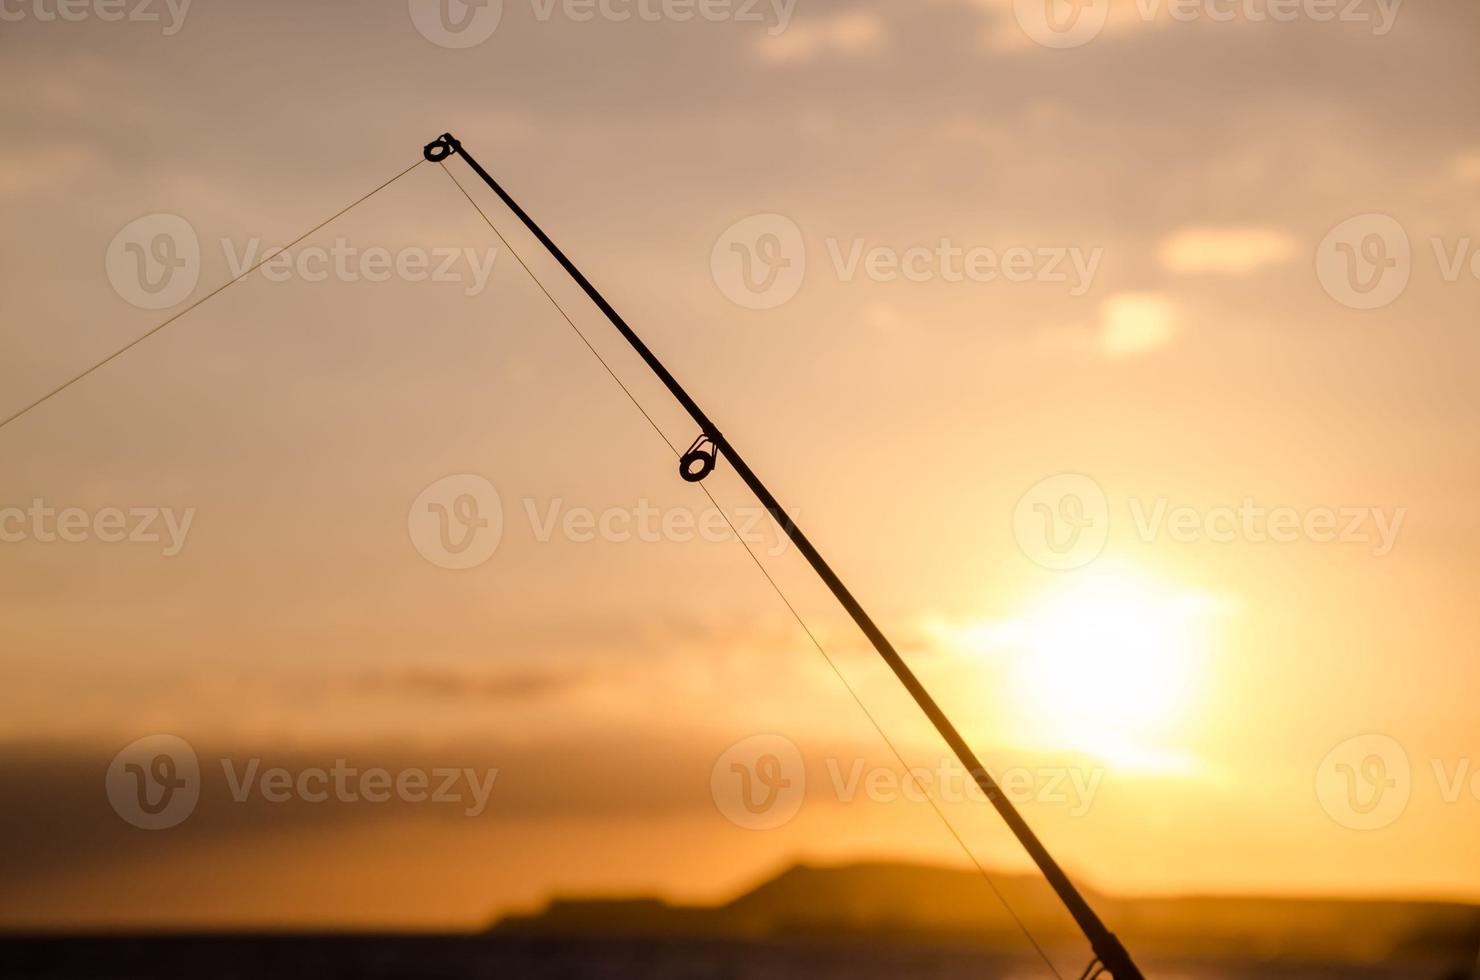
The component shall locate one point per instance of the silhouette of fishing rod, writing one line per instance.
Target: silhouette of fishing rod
(699, 461)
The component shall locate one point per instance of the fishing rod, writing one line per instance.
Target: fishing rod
(699, 461)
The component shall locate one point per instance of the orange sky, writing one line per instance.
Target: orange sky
(1198, 668)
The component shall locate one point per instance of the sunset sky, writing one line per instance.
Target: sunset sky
(1194, 355)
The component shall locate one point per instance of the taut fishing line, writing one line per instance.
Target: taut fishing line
(208, 296)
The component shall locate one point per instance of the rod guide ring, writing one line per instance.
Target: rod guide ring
(441, 148)
(700, 460)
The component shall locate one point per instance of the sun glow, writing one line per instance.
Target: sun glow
(1111, 663)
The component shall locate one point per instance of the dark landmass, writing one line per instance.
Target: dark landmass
(423, 957)
(858, 922)
(941, 906)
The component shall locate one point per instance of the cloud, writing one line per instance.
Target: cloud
(1466, 167)
(1129, 325)
(856, 33)
(515, 685)
(1018, 25)
(44, 168)
(1226, 251)
(55, 814)
(1136, 323)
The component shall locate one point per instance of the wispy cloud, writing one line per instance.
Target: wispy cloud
(47, 167)
(1012, 24)
(1226, 251)
(1136, 323)
(852, 34)
(1128, 324)
(1466, 167)
(519, 685)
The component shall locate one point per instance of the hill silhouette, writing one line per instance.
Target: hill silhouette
(894, 901)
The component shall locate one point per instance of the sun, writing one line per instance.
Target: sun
(1110, 662)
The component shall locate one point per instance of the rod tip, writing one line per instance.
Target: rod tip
(441, 148)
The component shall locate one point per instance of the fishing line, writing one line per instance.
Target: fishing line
(561, 310)
(211, 295)
(775, 586)
(909, 773)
